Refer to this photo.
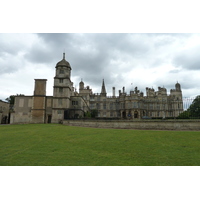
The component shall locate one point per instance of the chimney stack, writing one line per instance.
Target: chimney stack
(123, 90)
(113, 91)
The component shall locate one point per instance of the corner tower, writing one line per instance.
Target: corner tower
(62, 90)
(177, 99)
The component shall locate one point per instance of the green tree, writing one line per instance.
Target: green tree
(194, 108)
(88, 114)
(94, 113)
(11, 99)
(91, 114)
(193, 111)
(184, 115)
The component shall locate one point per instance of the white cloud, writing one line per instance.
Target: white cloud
(146, 60)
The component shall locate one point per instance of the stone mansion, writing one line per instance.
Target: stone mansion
(67, 103)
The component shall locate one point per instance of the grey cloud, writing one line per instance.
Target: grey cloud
(105, 48)
(165, 39)
(10, 63)
(7, 50)
(124, 44)
(7, 68)
(175, 71)
(112, 45)
(10, 51)
(49, 48)
(38, 55)
(189, 59)
(9, 47)
(90, 52)
(110, 56)
(57, 39)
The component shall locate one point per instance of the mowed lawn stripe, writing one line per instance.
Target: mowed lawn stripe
(60, 145)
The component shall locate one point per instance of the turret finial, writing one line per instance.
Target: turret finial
(103, 89)
(63, 55)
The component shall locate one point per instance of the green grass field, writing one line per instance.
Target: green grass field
(59, 145)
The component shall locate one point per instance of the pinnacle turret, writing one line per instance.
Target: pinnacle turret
(103, 89)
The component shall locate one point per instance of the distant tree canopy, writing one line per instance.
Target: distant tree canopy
(193, 111)
(10, 99)
(92, 114)
(195, 107)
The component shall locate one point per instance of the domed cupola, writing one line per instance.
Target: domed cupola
(63, 63)
(178, 86)
(81, 85)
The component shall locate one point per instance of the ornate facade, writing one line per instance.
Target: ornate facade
(67, 103)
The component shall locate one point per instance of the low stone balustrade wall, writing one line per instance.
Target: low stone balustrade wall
(140, 124)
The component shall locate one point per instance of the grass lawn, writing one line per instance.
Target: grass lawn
(60, 145)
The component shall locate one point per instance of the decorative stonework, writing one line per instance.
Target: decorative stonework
(67, 103)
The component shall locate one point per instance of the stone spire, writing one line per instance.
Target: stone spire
(103, 89)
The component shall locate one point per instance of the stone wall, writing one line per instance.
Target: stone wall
(22, 108)
(4, 111)
(140, 124)
(38, 109)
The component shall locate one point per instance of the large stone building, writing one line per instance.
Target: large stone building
(67, 103)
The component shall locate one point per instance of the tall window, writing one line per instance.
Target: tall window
(98, 106)
(117, 105)
(60, 102)
(135, 105)
(92, 106)
(61, 71)
(60, 80)
(111, 106)
(164, 107)
(74, 103)
(59, 111)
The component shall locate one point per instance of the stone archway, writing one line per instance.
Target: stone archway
(124, 114)
(136, 114)
(129, 114)
(49, 119)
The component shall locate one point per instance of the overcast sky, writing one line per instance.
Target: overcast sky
(146, 60)
(143, 60)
